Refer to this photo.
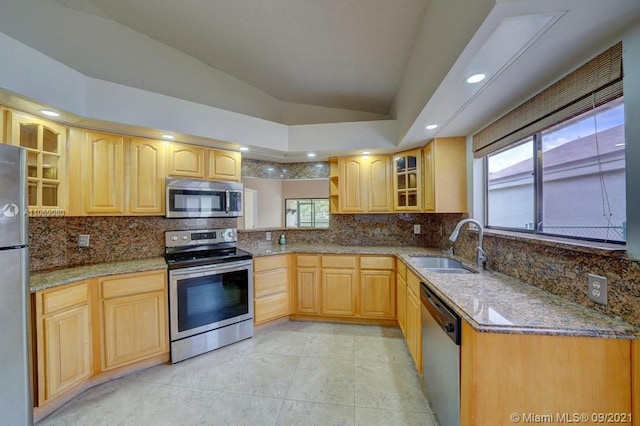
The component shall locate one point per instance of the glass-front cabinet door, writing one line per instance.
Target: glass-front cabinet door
(407, 181)
(45, 142)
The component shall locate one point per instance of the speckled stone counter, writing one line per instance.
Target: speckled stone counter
(489, 301)
(48, 279)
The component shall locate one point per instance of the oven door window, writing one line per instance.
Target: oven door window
(186, 200)
(211, 299)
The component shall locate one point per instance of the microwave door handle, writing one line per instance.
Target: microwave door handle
(228, 198)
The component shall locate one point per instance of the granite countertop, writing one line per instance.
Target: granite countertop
(489, 301)
(48, 279)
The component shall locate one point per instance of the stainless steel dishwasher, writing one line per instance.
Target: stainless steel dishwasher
(441, 357)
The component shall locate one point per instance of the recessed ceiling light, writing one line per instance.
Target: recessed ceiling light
(167, 136)
(244, 148)
(311, 154)
(619, 144)
(49, 113)
(431, 126)
(475, 78)
(366, 152)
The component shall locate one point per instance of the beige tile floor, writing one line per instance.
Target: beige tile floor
(293, 373)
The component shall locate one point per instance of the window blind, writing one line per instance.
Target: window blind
(596, 82)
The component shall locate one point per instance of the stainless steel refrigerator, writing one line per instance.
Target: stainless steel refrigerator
(15, 367)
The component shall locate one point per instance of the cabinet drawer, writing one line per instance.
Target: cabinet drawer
(125, 285)
(307, 261)
(270, 282)
(267, 263)
(377, 262)
(58, 299)
(349, 262)
(271, 307)
(401, 269)
(413, 283)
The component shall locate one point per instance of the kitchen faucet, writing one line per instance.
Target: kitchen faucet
(481, 258)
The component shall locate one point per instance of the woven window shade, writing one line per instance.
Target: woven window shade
(598, 81)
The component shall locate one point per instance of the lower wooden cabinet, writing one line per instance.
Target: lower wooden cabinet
(377, 287)
(412, 317)
(63, 339)
(503, 374)
(401, 297)
(271, 288)
(308, 284)
(339, 292)
(93, 328)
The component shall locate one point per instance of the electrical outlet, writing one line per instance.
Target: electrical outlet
(267, 236)
(83, 240)
(598, 289)
(416, 229)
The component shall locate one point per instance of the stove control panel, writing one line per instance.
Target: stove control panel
(200, 237)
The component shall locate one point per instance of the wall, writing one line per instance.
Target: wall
(305, 188)
(270, 201)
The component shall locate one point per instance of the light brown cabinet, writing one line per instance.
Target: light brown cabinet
(63, 339)
(45, 143)
(308, 284)
(377, 287)
(202, 163)
(147, 171)
(407, 181)
(401, 296)
(185, 160)
(113, 175)
(445, 175)
(365, 184)
(502, 374)
(271, 288)
(103, 173)
(224, 165)
(413, 325)
(339, 285)
(134, 317)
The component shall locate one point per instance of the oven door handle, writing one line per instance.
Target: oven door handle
(188, 272)
(228, 200)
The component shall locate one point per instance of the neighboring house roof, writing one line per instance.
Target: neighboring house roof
(580, 149)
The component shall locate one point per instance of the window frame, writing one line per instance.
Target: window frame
(313, 222)
(538, 188)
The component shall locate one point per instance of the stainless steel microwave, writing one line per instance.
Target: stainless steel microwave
(203, 198)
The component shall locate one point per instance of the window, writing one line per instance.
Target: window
(567, 180)
(307, 213)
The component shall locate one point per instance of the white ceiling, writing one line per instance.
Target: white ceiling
(400, 62)
(333, 53)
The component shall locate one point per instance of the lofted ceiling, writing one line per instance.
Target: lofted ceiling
(388, 67)
(332, 53)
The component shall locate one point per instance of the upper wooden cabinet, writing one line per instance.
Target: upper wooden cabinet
(365, 184)
(407, 181)
(203, 163)
(147, 170)
(45, 143)
(103, 177)
(185, 160)
(224, 165)
(113, 175)
(445, 176)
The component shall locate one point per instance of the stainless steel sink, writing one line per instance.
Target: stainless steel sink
(441, 264)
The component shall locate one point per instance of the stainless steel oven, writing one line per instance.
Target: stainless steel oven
(210, 291)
